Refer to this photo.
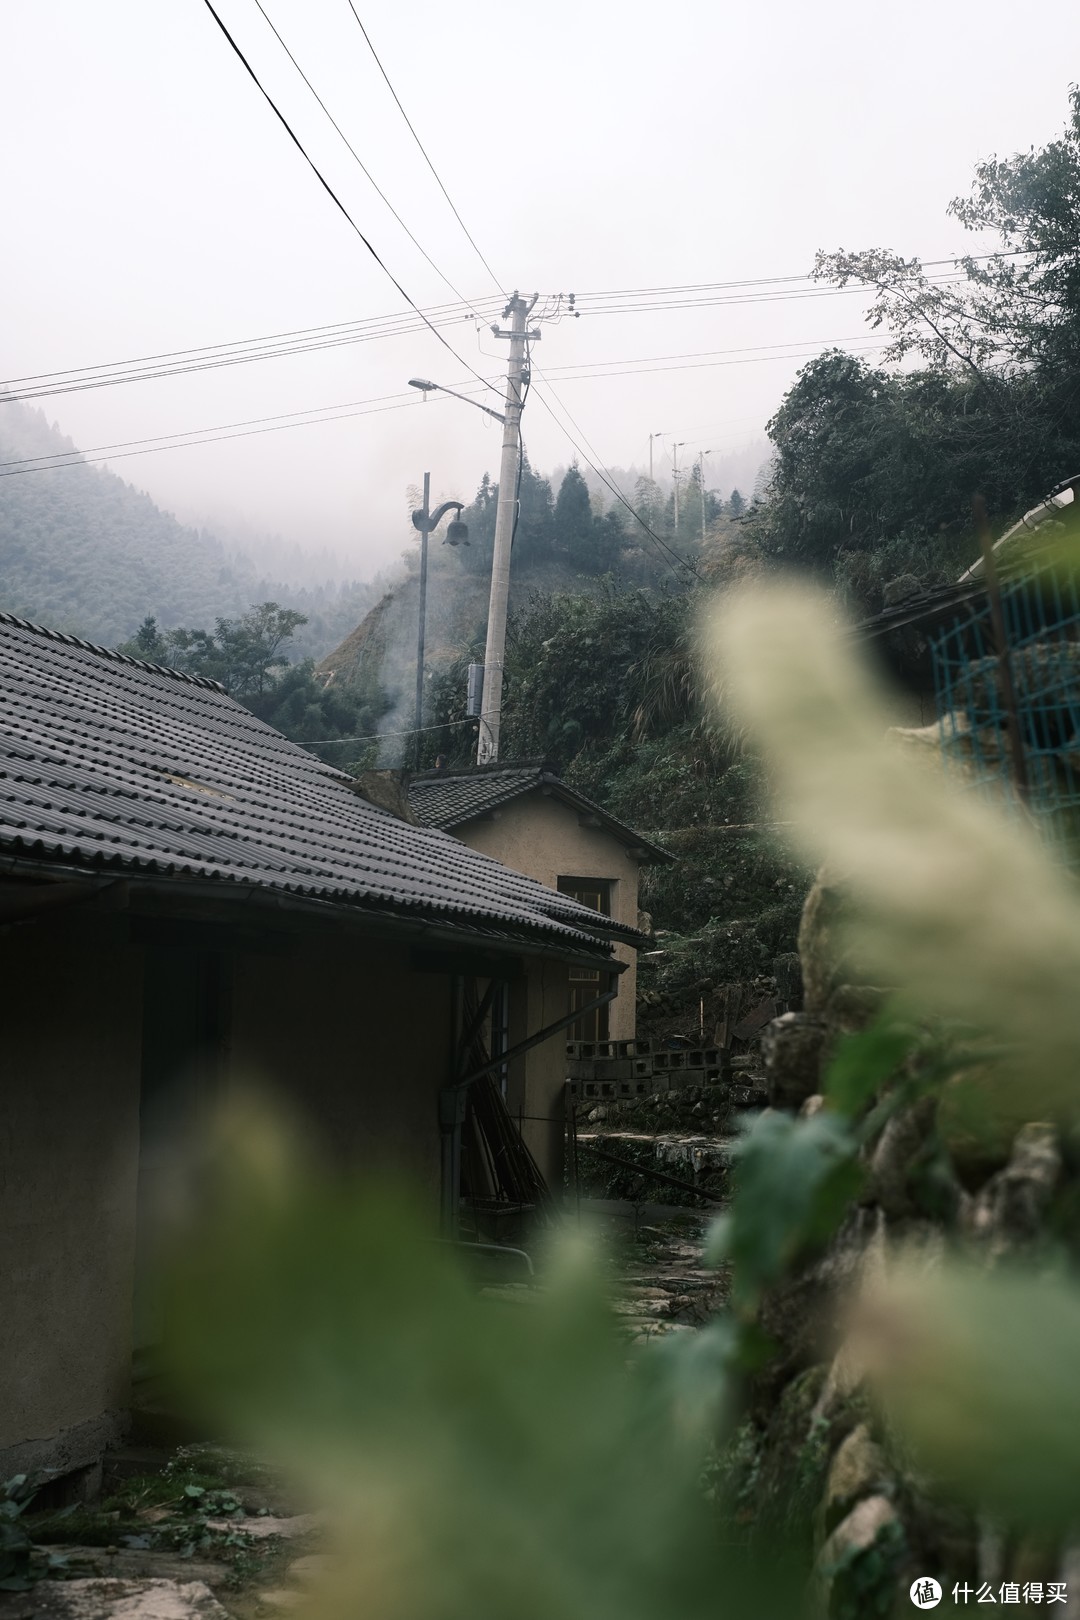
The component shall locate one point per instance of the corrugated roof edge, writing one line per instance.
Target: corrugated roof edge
(67, 640)
(564, 944)
(532, 774)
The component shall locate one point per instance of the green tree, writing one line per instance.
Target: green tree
(148, 642)
(574, 519)
(868, 455)
(249, 656)
(244, 654)
(875, 470)
(534, 532)
(534, 537)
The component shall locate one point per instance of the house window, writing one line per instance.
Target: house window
(588, 983)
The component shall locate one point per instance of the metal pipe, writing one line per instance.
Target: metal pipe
(423, 527)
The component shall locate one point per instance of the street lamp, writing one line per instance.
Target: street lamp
(457, 534)
(427, 387)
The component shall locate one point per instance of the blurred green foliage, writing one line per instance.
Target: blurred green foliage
(477, 1454)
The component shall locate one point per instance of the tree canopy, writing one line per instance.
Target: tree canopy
(883, 463)
(249, 656)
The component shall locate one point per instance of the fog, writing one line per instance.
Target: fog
(154, 203)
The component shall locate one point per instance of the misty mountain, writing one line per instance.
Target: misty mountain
(84, 551)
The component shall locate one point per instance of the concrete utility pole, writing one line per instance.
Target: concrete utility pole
(487, 749)
(675, 477)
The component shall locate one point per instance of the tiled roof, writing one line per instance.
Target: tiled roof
(110, 764)
(451, 798)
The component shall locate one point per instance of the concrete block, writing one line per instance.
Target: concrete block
(683, 1079)
(573, 1049)
(613, 1068)
(643, 1067)
(580, 1069)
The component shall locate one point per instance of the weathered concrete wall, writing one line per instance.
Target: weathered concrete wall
(358, 1041)
(69, 1135)
(536, 1082)
(544, 838)
(348, 1032)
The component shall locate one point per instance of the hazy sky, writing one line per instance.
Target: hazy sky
(152, 202)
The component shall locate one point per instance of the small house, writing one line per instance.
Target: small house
(187, 899)
(523, 814)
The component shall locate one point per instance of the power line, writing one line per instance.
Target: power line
(355, 154)
(708, 365)
(332, 194)
(427, 160)
(377, 736)
(238, 358)
(350, 332)
(218, 432)
(741, 300)
(319, 413)
(704, 354)
(443, 312)
(218, 427)
(218, 438)
(764, 281)
(673, 558)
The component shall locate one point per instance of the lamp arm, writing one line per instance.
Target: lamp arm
(441, 511)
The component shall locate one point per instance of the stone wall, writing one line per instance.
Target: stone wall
(816, 1459)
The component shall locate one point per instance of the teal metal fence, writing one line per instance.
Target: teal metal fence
(1041, 611)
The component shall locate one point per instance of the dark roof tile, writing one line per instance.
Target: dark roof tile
(106, 761)
(449, 799)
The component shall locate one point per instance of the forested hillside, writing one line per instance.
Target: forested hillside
(84, 551)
